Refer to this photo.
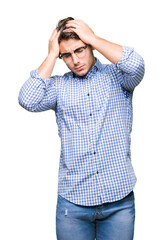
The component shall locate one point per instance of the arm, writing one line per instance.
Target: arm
(129, 66)
(112, 51)
(130, 69)
(46, 68)
(38, 93)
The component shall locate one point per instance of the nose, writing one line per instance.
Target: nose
(75, 59)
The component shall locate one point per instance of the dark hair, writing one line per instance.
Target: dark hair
(65, 35)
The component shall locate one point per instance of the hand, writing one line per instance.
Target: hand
(82, 29)
(53, 43)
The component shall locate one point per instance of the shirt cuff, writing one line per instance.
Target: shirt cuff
(34, 74)
(126, 52)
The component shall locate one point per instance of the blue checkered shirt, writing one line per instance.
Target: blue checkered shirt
(94, 117)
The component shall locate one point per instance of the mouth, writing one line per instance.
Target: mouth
(79, 68)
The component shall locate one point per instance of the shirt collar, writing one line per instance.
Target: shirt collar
(98, 64)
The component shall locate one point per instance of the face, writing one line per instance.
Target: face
(78, 63)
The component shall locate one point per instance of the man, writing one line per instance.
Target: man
(93, 107)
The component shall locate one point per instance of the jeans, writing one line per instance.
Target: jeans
(108, 221)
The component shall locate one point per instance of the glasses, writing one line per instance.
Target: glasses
(79, 52)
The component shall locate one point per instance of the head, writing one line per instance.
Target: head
(77, 55)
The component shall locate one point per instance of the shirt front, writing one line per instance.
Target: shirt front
(94, 117)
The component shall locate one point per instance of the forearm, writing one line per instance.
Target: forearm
(112, 51)
(32, 92)
(130, 69)
(38, 94)
(46, 68)
(129, 65)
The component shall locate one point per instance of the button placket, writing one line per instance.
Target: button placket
(91, 128)
(88, 99)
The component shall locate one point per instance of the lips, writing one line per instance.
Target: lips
(79, 68)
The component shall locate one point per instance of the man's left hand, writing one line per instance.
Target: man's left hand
(82, 29)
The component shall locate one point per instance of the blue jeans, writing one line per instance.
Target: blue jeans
(108, 221)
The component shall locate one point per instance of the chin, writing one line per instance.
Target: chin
(81, 73)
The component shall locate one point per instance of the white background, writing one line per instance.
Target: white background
(30, 146)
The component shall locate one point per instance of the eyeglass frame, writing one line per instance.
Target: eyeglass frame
(62, 55)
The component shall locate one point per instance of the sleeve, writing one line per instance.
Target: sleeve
(130, 69)
(38, 94)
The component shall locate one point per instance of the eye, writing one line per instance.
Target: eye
(66, 55)
(79, 50)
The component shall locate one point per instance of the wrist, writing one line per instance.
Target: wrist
(52, 55)
(46, 68)
(93, 41)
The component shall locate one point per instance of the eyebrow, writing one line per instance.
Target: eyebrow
(66, 53)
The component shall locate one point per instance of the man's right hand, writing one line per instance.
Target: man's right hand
(53, 43)
(46, 68)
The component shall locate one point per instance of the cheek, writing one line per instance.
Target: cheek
(69, 65)
(90, 58)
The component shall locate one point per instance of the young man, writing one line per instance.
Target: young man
(93, 107)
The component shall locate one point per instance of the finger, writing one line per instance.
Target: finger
(55, 34)
(72, 21)
(77, 21)
(69, 30)
(71, 24)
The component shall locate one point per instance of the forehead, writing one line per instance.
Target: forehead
(70, 45)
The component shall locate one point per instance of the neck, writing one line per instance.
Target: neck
(93, 63)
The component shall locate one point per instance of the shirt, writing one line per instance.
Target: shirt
(94, 117)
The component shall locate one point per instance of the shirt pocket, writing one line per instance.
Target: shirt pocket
(74, 113)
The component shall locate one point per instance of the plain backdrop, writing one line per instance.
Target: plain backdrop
(30, 145)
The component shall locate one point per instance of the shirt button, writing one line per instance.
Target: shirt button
(97, 172)
(88, 94)
(94, 152)
(90, 114)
